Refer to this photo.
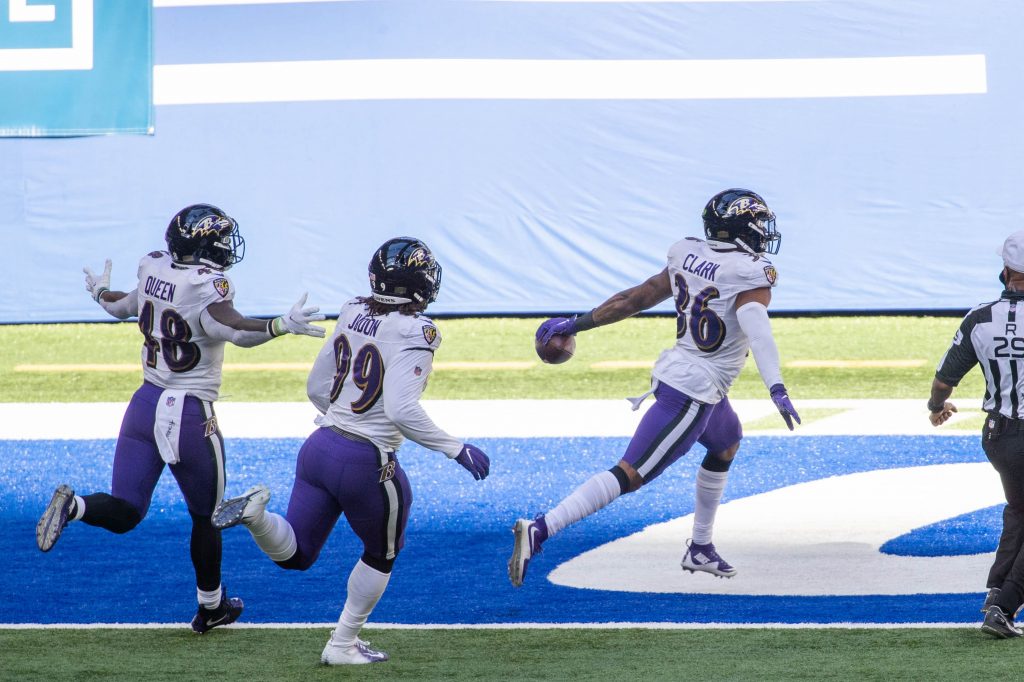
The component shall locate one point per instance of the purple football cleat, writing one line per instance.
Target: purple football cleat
(529, 535)
(705, 558)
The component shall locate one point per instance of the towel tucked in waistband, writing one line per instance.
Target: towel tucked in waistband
(167, 425)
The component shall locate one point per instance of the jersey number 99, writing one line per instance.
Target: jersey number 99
(367, 370)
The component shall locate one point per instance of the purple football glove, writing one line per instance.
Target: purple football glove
(785, 406)
(475, 461)
(564, 326)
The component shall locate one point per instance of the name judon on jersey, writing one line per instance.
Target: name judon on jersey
(710, 348)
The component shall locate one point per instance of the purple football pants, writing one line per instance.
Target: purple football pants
(336, 475)
(137, 462)
(671, 427)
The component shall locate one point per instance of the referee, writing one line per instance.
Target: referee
(992, 335)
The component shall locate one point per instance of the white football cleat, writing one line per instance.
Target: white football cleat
(356, 653)
(242, 509)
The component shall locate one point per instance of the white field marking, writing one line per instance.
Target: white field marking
(810, 539)
(499, 626)
(567, 79)
(855, 364)
(483, 418)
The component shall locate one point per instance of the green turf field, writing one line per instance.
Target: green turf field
(878, 357)
(566, 655)
(882, 357)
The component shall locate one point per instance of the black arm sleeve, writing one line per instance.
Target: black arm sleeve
(961, 355)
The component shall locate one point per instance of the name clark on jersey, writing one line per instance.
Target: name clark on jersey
(365, 325)
(158, 288)
(701, 268)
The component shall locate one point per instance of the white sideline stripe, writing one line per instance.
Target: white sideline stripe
(501, 626)
(567, 79)
(487, 418)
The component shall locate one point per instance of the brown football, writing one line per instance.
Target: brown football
(558, 349)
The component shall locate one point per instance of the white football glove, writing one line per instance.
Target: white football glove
(298, 319)
(97, 285)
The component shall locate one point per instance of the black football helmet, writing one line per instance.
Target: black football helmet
(403, 270)
(202, 233)
(739, 216)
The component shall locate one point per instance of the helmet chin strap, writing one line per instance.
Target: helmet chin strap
(743, 245)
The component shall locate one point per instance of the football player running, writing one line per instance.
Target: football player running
(366, 382)
(722, 288)
(184, 304)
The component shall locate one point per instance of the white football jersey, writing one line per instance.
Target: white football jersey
(711, 349)
(176, 352)
(369, 376)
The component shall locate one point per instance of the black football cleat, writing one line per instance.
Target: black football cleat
(228, 611)
(998, 624)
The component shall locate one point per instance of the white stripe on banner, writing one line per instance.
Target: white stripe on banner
(432, 79)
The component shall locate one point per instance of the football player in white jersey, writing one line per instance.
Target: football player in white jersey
(366, 382)
(722, 288)
(184, 303)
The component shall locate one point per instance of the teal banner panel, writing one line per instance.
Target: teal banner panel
(75, 67)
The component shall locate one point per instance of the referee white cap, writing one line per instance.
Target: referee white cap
(1013, 251)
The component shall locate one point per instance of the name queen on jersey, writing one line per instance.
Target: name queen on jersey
(711, 347)
(176, 352)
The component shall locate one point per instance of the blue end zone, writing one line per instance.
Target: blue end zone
(453, 567)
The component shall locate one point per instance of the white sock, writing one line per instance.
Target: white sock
(274, 535)
(79, 509)
(710, 485)
(209, 600)
(365, 586)
(594, 494)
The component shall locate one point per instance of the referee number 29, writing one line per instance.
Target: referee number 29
(1009, 347)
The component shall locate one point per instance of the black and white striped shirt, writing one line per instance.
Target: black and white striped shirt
(991, 335)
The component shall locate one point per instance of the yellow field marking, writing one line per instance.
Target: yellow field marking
(477, 365)
(125, 367)
(854, 364)
(261, 366)
(622, 364)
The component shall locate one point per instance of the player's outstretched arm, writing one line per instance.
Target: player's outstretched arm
(939, 407)
(221, 320)
(617, 308)
(404, 381)
(120, 304)
(752, 314)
